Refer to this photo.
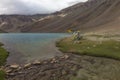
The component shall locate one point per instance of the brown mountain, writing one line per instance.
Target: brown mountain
(14, 23)
(93, 15)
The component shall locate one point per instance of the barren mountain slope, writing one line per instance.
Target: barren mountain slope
(94, 15)
(14, 23)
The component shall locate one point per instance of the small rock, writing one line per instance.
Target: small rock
(19, 68)
(54, 61)
(62, 57)
(11, 74)
(8, 71)
(37, 62)
(20, 72)
(30, 68)
(14, 66)
(27, 65)
(66, 56)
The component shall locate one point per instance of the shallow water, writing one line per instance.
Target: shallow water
(26, 47)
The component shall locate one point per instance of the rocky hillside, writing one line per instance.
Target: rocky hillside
(14, 23)
(93, 15)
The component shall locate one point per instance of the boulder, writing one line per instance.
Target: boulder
(27, 65)
(54, 60)
(36, 62)
(66, 56)
(15, 66)
(8, 71)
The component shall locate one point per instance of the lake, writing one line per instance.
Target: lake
(27, 47)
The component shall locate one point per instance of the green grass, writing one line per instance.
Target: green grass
(3, 56)
(110, 48)
(2, 75)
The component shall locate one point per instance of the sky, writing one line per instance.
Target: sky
(34, 6)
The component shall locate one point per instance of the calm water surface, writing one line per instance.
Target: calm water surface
(26, 47)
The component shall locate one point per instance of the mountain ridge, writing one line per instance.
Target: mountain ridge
(14, 23)
(88, 16)
(93, 15)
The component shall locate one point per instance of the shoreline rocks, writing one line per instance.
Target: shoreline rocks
(64, 68)
(53, 67)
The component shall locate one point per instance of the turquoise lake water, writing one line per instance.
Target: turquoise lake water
(27, 47)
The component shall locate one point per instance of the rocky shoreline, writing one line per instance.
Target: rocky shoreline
(57, 68)
(67, 67)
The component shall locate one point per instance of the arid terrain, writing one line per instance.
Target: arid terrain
(93, 15)
(14, 23)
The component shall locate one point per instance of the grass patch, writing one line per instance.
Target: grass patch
(3, 56)
(110, 48)
(2, 75)
(103, 35)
